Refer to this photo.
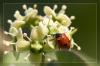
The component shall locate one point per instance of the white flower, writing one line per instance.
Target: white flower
(48, 11)
(39, 32)
(43, 30)
(34, 34)
(18, 16)
(22, 45)
(17, 23)
(20, 34)
(64, 19)
(52, 26)
(63, 29)
(13, 31)
(51, 23)
(30, 12)
(46, 20)
(51, 43)
(63, 8)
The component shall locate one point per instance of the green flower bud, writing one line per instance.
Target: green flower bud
(36, 47)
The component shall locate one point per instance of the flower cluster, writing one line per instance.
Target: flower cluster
(40, 29)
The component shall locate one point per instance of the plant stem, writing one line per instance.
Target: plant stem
(43, 59)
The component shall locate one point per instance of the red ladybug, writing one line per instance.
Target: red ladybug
(62, 40)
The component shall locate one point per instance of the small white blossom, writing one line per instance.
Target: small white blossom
(48, 11)
(20, 34)
(46, 20)
(34, 34)
(18, 16)
(22, 45)
(42, 29)
(17, 23)
(63, 29)
(51, 43)
(13, 31)
(31, 12)
(62, 11)
(64, 19)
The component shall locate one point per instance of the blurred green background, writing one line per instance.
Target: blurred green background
(86, 36)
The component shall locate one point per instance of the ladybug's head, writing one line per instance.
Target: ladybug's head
(58, 35)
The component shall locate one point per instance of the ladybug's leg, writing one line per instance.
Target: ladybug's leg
(59, 48)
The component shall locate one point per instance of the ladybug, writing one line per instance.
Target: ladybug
(62, 41)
